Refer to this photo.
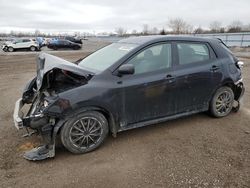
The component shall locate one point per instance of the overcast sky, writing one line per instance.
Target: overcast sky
(106, 15)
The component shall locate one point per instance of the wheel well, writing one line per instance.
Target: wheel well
(111, 122)
(228, 84)
(232, 86)
(107, 115)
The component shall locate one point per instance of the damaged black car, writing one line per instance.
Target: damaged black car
(132, 83)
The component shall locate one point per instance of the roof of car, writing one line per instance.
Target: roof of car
(159, 38)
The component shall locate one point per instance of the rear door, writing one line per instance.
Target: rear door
(198, 73)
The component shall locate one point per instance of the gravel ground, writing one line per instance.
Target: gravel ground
(195, 151)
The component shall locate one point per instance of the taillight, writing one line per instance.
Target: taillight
(240, 64)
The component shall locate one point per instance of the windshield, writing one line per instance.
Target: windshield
(105, 57)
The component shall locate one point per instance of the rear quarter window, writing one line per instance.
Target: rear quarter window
(229, 52)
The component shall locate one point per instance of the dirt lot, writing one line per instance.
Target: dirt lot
(196, 151)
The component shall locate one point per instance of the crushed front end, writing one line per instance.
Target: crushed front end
(38, 111)
(35, 121)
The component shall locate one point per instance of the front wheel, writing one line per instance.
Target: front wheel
(84, 132)
(32, 48)
(222, 102)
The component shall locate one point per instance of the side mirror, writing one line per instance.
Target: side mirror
(126, 69)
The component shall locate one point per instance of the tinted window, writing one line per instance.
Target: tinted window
(192, 52)
(26, 40)
(61, 42)
(18, 41)
(152, 59)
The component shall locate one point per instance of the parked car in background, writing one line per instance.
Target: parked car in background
(132, 83)
(63, 44)
(74, 39)
(20, 44)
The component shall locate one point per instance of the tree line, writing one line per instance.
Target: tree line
(180, 26)
(173, 26)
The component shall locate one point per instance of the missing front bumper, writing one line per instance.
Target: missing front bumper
(38, 123)
(18, 115)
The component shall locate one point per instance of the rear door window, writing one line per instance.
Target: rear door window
(192, 52)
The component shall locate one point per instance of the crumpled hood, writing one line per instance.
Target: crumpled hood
(47, 62)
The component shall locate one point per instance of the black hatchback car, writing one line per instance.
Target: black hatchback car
(63, 44)
(132, 83)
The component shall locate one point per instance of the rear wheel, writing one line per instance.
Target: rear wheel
(5, 49)
(222, 102)
(10, 49)
(32, 48)
(84, 132)
(76, 48)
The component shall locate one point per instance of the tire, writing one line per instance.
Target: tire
(32, 48)
(222, 102)
(10, 49)
(5, 49)
(84, 132)
(76, 48)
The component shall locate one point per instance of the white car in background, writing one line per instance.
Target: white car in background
(17, 44)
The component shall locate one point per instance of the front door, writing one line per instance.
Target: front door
(149, 92)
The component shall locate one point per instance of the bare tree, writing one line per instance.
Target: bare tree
(179, 26)
(235, 26)
(163, 32)
(215, 26)
(198, 30)
(121, 31)
(145, 30)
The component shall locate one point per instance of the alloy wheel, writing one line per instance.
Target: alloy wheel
(85, 132)
(224, 102)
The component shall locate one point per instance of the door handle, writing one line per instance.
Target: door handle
(214, 68)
